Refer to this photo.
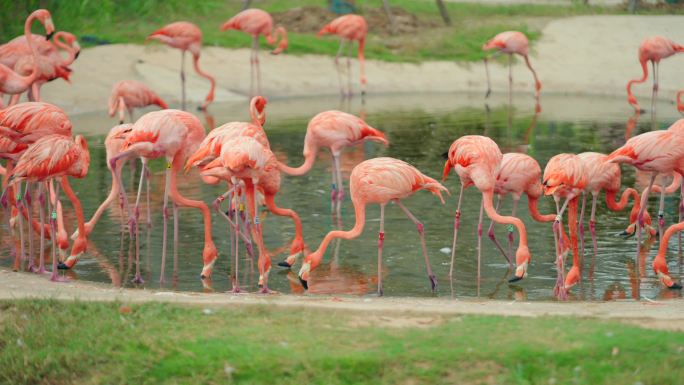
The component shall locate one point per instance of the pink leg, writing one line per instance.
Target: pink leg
(592, 225)
(337, 67)
(138, 277)
(421, 232)
(479, 245)
(182, 76)
(457, 222)
(492, 236)
(20, 219)
(560, 290)
(236, 202)
(661, 214)
(176, 218)
(581, 223)
(53, 225)
(340, 185)
(41, 211)
(381, 242)
(29, 207)
(165, 211)
(334, 188)
(639, 226)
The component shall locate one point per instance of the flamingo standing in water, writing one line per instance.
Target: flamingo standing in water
(652, 49)
(476, 159)
(186, 37)
(256, 22)
(566, 177)
(49, 158)
(379, 180)
(658, 152)
(511, 42)
(350, 29)
(174, 135)
(333, 130)
(518, 174)
(13, 83)
(130, 94)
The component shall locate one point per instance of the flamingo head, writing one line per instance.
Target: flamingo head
(660, 268)
(43, 15)
(493, 44)
(572, 278)
(209, 255)
(84, 157)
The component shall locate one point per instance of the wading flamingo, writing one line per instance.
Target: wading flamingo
(660, 261)
(566, 177)
(186, 37)
(379, 180)
(11, 82)
(652, 49)
(349, 28)
(511, 42)
(56, 157)
(130, 94)
(518, 174)
(333, 130)
(476, 159)
(256, 22)
(657, 152)
(174, 135)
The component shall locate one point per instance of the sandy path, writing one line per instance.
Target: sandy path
(661, 315)
(576, 56)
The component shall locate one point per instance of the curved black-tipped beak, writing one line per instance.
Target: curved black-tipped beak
(624, 235)
(445, 155)
(675, 286)
(77, 54)
(515, 279)
(304, 283)
(49, 35)
(284, 264)
(62, 266)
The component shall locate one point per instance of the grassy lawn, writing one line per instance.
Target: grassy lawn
(49, 342)
(130, 21)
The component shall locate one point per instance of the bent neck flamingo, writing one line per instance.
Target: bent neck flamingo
(350, 29)
(379, 180)
(130, 94)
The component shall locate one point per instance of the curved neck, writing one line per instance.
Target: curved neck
(272, 207)
(113, 195)
(29, 41)
(309, 159)
(77, 206)
(537, 83)
(360, 213)
(71, 51)
(534, 211)
(644, 75)
(487, 198)
(257, 118)
(622, 203)
(210, 95)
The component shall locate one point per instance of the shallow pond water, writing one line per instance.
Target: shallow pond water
(420, 129)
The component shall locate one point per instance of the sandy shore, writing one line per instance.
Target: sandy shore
(575, 56)
(660, 315)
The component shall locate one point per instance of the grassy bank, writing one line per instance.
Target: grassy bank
(129, 21)
(51, 342)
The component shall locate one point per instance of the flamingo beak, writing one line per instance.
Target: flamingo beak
(304, 275)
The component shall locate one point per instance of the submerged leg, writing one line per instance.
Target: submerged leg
(340, 185)
(334, 187)
(165, 214)
(661, 214)
(479, 245)
(41, 213)
(592, 225)
(53, 225)
(381, 242)
(337, 67)
(349, 83)
(421, 232)
(176, 218)
(457, 223)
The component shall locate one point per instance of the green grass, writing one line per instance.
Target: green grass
(50, 342)
(130, 21)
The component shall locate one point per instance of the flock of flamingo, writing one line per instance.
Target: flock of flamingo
(42, 154)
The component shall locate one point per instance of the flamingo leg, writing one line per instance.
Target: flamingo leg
(486, 63)
(654, 95)
(381, 242)
(581, 223)
(681, 214)
(661, 214)
(479, 245)
(20, 207)
(421, 232)
(560, 290)
(138, 278)
(146, 170)
(639, 226)
(349, 83)
(334, 186)
(510, 78)
(29, 207)
(337, 67)
(592, 225)
(176, 218)
(457, 223)
(53, 225)
(41, 213)
(182, 76)
(492, 236)
(340, 185)
(236, 202)
(258, 67)
(511, 228)
(165, 226)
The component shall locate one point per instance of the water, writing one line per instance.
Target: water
(420, 128)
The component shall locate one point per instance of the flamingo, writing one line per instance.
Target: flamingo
(518, 174)
(51, 64)
(658, 152)
(476, 159)
(566, 177)
(379, 180)
(186, 37)
(174, 135)
(652, 49)
(56, 157)
(511, 42)
(17, 48)
(10, 81)
(257, 22)
(660, 261)
(333, 130)
(130, 94)
(349, 28)
(113, 144)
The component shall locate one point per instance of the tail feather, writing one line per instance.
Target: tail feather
(200, 154)
(447, 170)
(622, 154)
(435, 188)
(374, 134)
(161, 103)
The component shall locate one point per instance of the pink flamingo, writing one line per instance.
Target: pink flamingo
(660, 261)
(51, 157)
(334, 130)
(349, 28)
(476, 159)
(113, 147)
(511, 42)
(379, 180)
(256, 22)
(10, 81)
(657, 152)
(130, 94)
(518, 174)
(17, 48)
(652, 49)
(566, 177)
(174, 135)
(186, 37)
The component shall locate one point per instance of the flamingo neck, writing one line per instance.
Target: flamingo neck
(360, 213)
(29, 41)
(309, 159)
(257, 118)
(630, 97)
(210, 95)
(71, 51)
(271, 205)
(534, 211)
(77, 206)
(487, 200)
(624, 198)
